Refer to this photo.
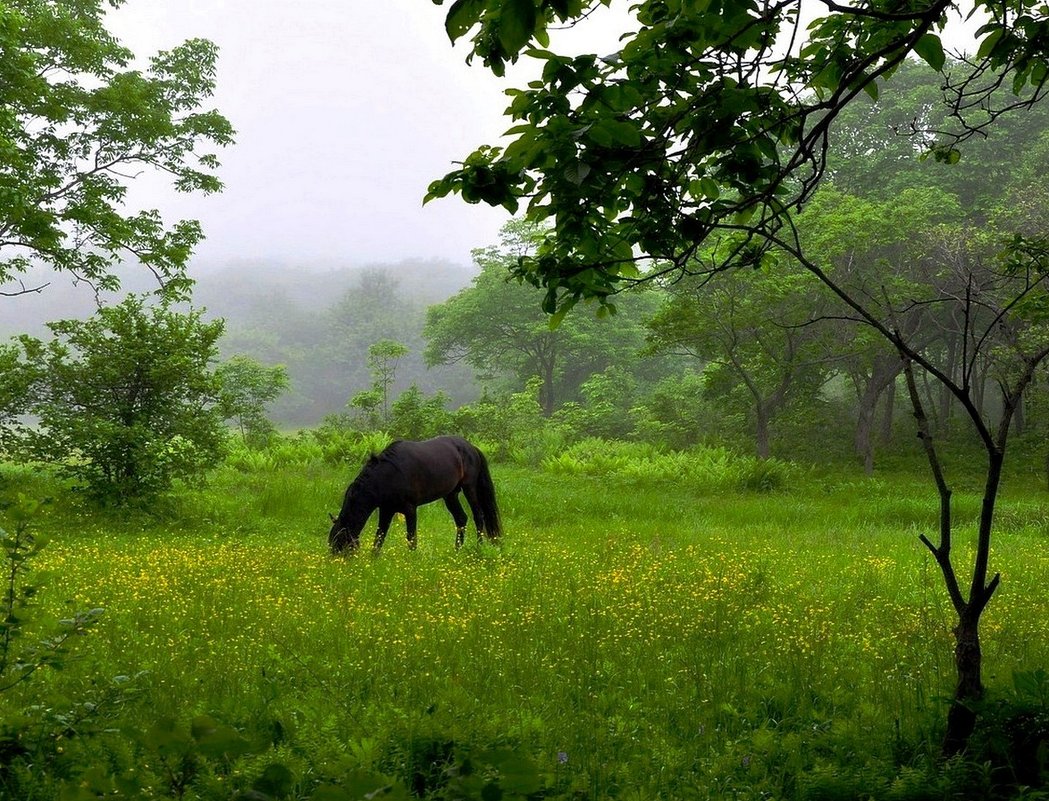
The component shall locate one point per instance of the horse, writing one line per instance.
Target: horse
(408, 474)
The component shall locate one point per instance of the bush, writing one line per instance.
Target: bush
(126, 399)
(414, 416)
(512, 426)
(329, 444)
(707, 467)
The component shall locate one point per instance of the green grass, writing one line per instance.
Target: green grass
(635, 638)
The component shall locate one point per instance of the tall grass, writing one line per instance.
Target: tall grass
(639, 637)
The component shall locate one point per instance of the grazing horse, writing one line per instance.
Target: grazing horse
(409, 474)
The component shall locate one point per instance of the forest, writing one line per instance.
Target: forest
(756, 404)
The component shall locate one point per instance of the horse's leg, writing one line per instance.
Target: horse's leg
(475, 508)
(385, 518)
(459, 516)
(409, 524)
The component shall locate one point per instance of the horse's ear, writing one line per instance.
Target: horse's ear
(331, 516)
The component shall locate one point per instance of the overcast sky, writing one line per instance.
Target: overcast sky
(345, 110)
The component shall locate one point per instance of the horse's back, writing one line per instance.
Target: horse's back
(428, 449)
(432, 468)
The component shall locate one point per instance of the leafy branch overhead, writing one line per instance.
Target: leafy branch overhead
(712, 120)
(77, 124)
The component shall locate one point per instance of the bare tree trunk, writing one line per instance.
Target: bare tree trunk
(968, 659)
(883, 375)
(863, 438)
(1019, 418)
(762, 435)
(945, 407)
(888, 414)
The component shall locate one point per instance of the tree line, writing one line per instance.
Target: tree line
(760, 358)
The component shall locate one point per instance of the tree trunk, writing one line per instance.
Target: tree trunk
(888, 413)
(862, 439)
(968, 660)
(961, 717)
(546, 394)
(883, 376)
(762, 435)
(1019, 418)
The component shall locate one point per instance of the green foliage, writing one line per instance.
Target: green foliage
(20, 659)
(334, 444)
(126, 399)
(754, 330)
(605, 412)
(18, 378)
(76, 121)
(1014, 735)
(368, 403)
(246, 387)
(677, 413)
(496, 326)
(382, 361)
(510, 427)
(698, 130)
(709, 469)
(31, 719)
(414, 416)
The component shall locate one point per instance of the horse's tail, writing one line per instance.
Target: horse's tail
(486, 497)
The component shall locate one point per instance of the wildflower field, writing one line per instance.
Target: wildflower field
(630, 638)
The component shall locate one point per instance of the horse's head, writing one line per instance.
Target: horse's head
(346, 528)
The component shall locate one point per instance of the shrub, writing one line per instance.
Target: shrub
(126, 399)
(707, 467)
(414, 416)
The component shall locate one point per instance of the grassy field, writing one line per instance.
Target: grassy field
(630, 638)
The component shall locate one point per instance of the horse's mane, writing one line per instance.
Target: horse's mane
(376, 461)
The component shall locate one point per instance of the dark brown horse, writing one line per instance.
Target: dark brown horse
(409, 474)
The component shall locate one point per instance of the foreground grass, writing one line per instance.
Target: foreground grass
(637, 639)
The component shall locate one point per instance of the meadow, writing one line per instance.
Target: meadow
(632, 637)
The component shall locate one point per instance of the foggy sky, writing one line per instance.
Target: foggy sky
(345, 110)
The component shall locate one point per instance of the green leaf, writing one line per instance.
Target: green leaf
(577, 172)
(559, 314)
(217, 740)
(609, 133)
(276, 780)
(988, 43)
(930, 48)
(462, 16)
(517, 24)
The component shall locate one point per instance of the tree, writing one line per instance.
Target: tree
(497, 327)
(383, 357)
(17, 378)
(880, 248)
(755, 331)
(415, 416)
(76, 122)
(126, 400)
(246, 388)
(373, 309)
(712, 123)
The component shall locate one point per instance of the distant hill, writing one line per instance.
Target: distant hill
(310, 317)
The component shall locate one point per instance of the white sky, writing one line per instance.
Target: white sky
(345, 111)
